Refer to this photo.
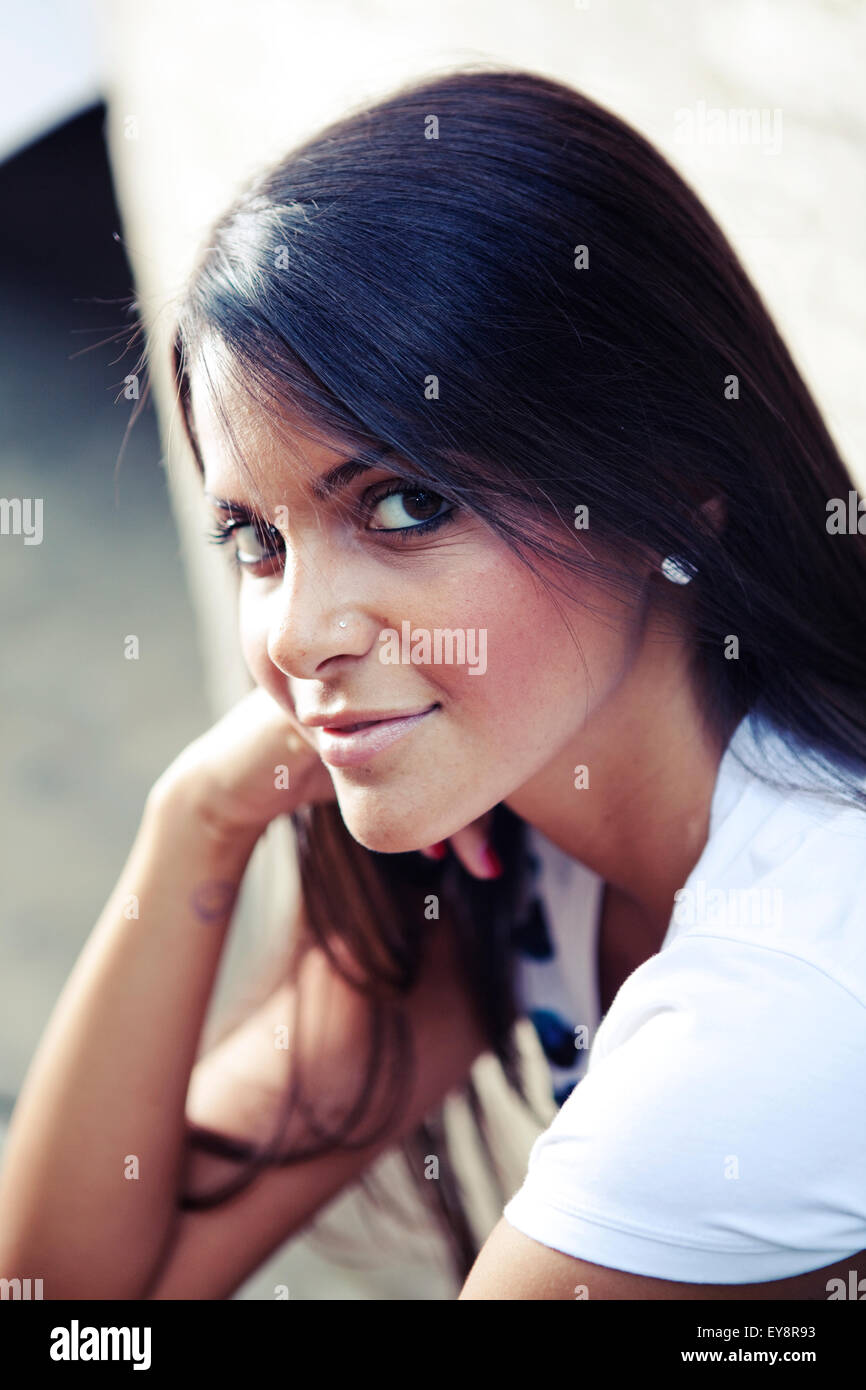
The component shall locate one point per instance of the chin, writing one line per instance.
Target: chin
(383, 828)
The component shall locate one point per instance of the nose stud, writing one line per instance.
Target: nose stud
(341, 623)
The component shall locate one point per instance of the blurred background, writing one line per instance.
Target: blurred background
(124, 131)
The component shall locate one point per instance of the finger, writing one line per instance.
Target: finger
(298, 745)
(294, 742)
(437, 851)
(474, 850)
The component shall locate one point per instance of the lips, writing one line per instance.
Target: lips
(351, 728)
(348, 745)
(353, 719)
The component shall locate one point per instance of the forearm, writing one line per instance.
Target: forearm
(94, 1154)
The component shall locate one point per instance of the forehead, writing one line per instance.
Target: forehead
(244, 442)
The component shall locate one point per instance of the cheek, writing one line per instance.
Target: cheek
(548, 664)
(253, 632)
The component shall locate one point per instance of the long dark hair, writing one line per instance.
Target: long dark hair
(511, 287)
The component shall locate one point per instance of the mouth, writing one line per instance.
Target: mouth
(357, 743)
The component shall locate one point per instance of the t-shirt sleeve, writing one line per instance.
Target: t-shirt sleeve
(719, 1134)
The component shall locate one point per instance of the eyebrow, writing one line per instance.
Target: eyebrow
(335, 480)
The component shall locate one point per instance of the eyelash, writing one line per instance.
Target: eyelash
(224, 529)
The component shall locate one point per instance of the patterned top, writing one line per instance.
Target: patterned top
(556, 969)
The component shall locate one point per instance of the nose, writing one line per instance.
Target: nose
(316, 619)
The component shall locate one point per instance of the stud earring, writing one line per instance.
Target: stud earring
(341, 623)
(677, 571)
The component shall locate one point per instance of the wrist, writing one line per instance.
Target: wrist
(184, 807)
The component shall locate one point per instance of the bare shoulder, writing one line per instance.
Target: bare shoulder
(511, 1265)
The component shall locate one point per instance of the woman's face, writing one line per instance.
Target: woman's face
(515, 692)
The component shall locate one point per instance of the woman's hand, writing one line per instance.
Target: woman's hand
(472, 847)
(255, 764)
(249, 767)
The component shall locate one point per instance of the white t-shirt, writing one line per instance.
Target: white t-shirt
(715, 1130)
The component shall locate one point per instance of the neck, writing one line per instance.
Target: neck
(652, 764)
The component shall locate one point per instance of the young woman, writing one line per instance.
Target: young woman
(541, 574)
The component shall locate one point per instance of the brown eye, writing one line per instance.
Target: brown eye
(406, 508)
(255, 547)
(249, 545)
